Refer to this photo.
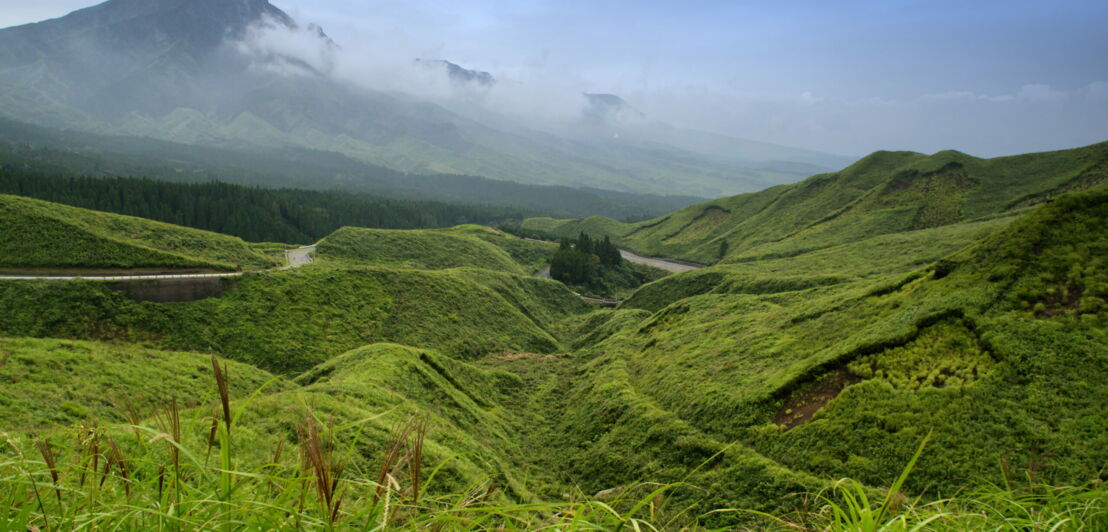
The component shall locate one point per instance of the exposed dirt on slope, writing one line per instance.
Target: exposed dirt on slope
(801, 406)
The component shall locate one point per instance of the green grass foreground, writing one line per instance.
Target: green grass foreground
(185, 470)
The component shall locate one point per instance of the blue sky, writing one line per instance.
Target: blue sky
(848, 76)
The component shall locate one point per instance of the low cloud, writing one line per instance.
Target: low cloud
(538, 92)
(542, 94)
(289, 50)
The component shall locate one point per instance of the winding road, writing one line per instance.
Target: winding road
(294, 258)
(669, 265)
(297, 257)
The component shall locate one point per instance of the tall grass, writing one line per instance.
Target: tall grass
(93, 482)
(160, 482)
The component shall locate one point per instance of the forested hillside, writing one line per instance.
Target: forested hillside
(254, 214)
(79, 154)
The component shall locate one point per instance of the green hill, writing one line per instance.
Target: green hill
(883, 193)
(40, 235)
(431, 249)
(747, 386)
(370, 390)
(985, 350)
(58, 382)
(290, 321)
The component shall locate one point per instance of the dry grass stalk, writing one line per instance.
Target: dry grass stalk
(404, 448)
(211, 433)
(415, 458)
(479, 492)
(321, 463)
(278, 452)
(131, 414)
(224, 392)
(88, 441)
(47, 452)
(118, 460)
(169, 420)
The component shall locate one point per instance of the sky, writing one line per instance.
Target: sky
(988, 77)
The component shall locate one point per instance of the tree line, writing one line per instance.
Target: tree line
(254, 214)
(583, 261)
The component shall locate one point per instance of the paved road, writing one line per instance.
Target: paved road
(298, 257)
(119, 277)
(664, 264)
(294, 257)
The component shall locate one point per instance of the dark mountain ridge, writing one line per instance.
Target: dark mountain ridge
(458, 73)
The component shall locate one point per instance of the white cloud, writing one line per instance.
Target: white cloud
(285, 50)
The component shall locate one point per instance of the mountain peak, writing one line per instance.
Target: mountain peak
(125, 24)
(458, 73)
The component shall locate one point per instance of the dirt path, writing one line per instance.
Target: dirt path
(295, 258)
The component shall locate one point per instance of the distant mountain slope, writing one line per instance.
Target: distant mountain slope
(174, 70)
(34, 148)
(883, 193)
(41, 235)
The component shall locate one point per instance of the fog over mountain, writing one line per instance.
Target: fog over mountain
(989, 78)
(242, 73)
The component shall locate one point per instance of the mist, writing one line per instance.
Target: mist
(988, 78)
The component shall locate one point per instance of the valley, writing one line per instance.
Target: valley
(869, 345)
(488, 266)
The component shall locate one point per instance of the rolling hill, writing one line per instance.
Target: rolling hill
(423, 249)
(941, 300)
(883, 193)
(41, 235)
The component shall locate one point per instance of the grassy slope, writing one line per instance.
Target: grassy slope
(993, 357)
(39, 234)
(421, 249)
(290, 321)
(370, 391)
(872, 260)
(365, 393)
(461, 402)
(883, 193)
(995, 349)
(531, 255)
(55, 382)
